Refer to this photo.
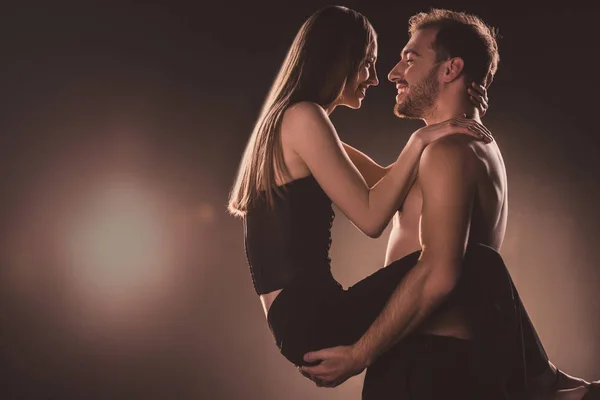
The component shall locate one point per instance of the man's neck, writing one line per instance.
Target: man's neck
(451, 105)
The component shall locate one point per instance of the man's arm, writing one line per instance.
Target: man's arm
(447, 180)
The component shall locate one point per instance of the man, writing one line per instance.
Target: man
(421, 344)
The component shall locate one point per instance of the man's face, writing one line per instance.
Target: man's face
(416, 76)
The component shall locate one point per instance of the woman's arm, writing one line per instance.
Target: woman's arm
(307, 128)
(373, 172)
(369, 169)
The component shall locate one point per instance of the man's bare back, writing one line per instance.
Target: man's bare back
(488, 225)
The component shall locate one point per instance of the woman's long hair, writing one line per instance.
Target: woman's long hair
(327, 50)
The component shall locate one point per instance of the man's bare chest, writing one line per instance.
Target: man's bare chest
(409, 216)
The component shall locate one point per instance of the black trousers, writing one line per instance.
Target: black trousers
(315, 312)
(428, 367)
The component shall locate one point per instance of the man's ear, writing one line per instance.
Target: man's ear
(453, 69)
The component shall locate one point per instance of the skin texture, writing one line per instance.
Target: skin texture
(311, 146)
(460, 194)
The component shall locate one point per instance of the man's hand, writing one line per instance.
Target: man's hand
(337, 365)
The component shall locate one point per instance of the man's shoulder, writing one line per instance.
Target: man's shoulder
(450, 160)
(453, 150)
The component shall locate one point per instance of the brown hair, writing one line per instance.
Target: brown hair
(327, 50)
(462, 35)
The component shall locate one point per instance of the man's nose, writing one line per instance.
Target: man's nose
(395, 74)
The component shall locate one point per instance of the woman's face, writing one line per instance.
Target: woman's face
(356, 87)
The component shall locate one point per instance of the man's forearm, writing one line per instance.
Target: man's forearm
(415, 298)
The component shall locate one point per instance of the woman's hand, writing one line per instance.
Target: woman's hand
(463, 125)
(478, 96)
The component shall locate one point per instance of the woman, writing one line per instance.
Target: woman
(295, 166)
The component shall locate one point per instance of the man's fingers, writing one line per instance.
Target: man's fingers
(325, 380)
(333, 381)
(327, 383)
(320, 381)
(314, 356)
(305, 374)
(315, 371)
(319, 373)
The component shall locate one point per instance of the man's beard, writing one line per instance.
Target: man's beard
(421, 96)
